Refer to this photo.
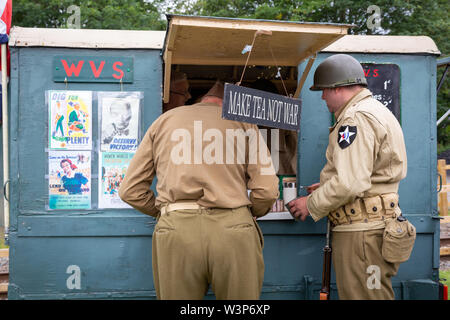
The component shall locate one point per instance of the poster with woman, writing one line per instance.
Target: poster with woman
(112, 169)
(70, 119)
(69, 180)
(119, 121)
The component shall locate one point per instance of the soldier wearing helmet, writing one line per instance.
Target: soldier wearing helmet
(358, 188)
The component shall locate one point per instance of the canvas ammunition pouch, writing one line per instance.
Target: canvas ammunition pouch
(398, 240)
(399, 234)
(377, 208)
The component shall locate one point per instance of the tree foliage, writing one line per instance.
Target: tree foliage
(410, 17)
(94, 14)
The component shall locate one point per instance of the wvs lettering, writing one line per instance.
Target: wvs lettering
(96, 71)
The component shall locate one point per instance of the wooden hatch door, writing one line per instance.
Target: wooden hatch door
(220, 41)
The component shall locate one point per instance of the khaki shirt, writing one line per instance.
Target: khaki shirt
(196, 157)
(373, 164)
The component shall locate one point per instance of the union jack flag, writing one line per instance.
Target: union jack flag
(5, 19)
(5, 25)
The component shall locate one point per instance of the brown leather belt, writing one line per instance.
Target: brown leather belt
(369, 209)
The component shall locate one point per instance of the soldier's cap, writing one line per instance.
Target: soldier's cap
(216, 90)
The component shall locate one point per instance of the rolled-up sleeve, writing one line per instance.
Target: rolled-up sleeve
(135, 188)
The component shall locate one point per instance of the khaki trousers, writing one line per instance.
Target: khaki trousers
(193, 249)
(361, 271)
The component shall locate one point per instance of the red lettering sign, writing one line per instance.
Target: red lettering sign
(118, 70)
(72, 70)
(371, 73)
(96, 71)
(92, 69)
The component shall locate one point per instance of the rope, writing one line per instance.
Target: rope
(248, 57)
(278, 69)
(273, 57)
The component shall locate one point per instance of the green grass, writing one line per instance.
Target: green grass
(445, 275)
(2, 241)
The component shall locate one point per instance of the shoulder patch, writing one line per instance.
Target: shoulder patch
(346, 135)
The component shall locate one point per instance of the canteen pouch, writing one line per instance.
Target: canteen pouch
(398, 240)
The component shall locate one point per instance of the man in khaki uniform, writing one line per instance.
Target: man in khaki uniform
(366, 159)
(206, 233)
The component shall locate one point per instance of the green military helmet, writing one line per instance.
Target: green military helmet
(337, 71)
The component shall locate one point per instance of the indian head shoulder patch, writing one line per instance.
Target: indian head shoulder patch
(346, 136)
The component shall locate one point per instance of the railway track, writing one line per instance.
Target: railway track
(4, 273)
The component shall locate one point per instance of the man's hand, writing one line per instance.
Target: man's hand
(298, 208)
(312, 187)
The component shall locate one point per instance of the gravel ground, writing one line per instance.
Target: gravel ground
(444, 265)
(4, 265)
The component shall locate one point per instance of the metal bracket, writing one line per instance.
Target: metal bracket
(4, 190)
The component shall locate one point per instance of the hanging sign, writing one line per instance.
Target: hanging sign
(92, 69)
(383, 81)
(70, 119)
(119, 117)
(69, 180)
(112, 169)
(261, 107)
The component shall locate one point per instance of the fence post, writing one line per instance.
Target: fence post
(443, 202)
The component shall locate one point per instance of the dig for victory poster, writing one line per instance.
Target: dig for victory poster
(70, 119)
(69, 179)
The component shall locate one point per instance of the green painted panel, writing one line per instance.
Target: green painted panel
(110, 246)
